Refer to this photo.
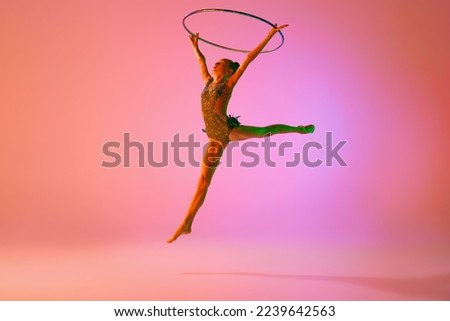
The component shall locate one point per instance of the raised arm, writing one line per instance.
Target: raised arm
(253, 54)
(201, 58)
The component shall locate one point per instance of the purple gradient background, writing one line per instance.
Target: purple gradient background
(76, 74)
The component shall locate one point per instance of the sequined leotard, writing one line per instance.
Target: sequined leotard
(215, 99)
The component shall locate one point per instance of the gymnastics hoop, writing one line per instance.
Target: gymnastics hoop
(234, 12)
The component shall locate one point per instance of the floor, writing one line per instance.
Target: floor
(190, 270)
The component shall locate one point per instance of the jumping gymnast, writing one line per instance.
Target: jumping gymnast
(220, 128)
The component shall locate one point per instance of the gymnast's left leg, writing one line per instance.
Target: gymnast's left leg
(211, 158)
(245, 132)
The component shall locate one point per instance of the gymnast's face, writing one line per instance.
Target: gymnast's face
(222, 68)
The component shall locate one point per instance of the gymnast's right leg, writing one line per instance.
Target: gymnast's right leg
(247, 132)
(211, 157)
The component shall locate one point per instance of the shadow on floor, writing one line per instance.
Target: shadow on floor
(425, 288)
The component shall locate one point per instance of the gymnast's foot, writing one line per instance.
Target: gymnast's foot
(183, 229)
(309, 129)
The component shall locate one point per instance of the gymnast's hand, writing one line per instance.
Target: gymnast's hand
(194, 40)
(275, 29)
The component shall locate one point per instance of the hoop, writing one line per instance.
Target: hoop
(234, 12)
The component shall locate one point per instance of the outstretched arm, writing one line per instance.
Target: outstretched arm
(201, 58)
(253, 54)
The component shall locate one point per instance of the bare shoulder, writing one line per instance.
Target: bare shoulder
(207, 80)
(231, 83)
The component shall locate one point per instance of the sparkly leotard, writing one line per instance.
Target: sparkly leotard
(215, 99)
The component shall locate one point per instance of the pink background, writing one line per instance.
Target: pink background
(77, 74)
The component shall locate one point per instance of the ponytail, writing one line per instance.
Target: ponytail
(234, 66)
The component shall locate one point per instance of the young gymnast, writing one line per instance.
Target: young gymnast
(220, 128)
